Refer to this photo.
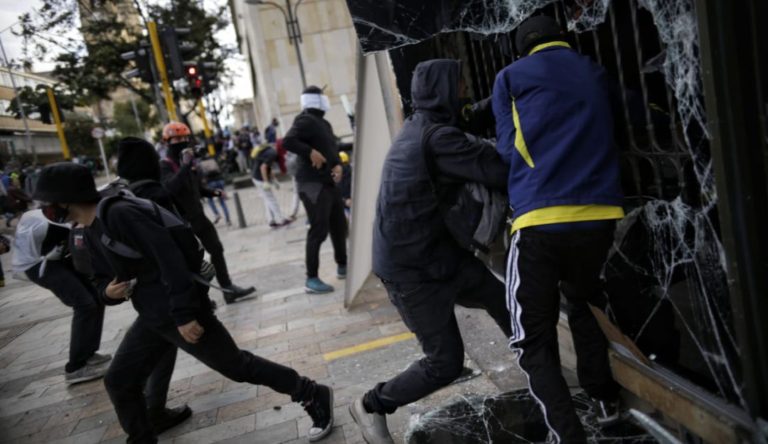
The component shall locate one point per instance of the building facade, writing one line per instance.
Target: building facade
(328, 46)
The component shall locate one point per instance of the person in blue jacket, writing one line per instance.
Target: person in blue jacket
(554, 128)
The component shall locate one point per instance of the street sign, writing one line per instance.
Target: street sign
(97, 133)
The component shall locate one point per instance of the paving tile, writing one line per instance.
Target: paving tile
(218, 432)
(285, 431)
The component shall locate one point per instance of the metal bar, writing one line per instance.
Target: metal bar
(292, 35)
(160, 63)
(27, 137)
(57, 120)
(644, 88)
(239, 210)
(617, 51)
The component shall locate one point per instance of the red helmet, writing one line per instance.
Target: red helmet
(175, 129)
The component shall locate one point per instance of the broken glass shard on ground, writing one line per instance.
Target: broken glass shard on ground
(509, 418)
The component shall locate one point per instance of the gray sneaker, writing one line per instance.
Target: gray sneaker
(372, 425)
(98, 359)
(87, 373)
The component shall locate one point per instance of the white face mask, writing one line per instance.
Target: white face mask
(316, 101)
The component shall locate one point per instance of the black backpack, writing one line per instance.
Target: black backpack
(475, 215)
(178, 228)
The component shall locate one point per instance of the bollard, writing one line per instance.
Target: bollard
(239, 208)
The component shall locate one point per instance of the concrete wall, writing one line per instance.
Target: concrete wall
(328, 51)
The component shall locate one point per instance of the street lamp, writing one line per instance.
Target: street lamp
(294, 31)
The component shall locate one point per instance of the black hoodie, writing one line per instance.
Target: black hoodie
(311, 131)
(410, 240)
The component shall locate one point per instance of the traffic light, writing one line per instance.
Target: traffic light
(194, 79)
(141, 58)
(174, 50)
(208, 73)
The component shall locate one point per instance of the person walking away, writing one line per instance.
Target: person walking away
(291, 169)
(178, 174)
(554, 126)
(154, 255)
(215, 181)
(311, 138)
(39, 252)
(425, 271)
(264, 180)
(244, 147)
(270, 132)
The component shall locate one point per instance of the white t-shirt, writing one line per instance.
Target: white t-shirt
(28, 241)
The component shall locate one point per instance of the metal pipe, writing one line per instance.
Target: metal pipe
(28, 137)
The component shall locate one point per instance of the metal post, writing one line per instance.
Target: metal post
(239, 209)
(27, 136)
(59, 127)
(104, 159)
(206, 128)
(160, 63)
(136, 115)
(293, 36)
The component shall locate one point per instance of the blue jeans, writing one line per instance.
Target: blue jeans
(218, 185)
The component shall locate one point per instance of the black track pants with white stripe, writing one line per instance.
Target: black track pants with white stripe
(541, 267)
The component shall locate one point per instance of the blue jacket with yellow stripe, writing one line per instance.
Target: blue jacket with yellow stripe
(554, 127)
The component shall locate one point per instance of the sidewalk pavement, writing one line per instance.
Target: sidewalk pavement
(350, 350)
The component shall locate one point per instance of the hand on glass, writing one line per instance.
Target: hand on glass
(191, 332)
(318, 160)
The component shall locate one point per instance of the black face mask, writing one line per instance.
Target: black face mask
(55, 213)
(175, 149)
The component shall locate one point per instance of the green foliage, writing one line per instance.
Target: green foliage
(77, 130)
(125, 121)
(36, 98)
(91, 67)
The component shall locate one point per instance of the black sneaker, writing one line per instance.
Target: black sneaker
(320, 409)
(606, 412)
(232, 292)
(166, 418)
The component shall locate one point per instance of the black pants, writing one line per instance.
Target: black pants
(76, 292)
(326, 215)
(541, 266)
(144, 345)
(209, 237)
(427, 308)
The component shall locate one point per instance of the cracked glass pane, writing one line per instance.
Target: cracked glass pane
(512, 417)
(665, 277)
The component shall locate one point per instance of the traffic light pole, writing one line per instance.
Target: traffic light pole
(161, 69)
(59, 127)
(206, 128)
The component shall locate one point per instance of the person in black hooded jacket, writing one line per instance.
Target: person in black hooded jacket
(311, 138)
(425, 271)
(173, 308)
(178, 174)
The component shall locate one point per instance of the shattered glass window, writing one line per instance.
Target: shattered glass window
(666, 275)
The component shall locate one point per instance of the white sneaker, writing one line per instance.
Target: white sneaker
(372, 425)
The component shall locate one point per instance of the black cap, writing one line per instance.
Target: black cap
(312, 89)
(137, 160)
(66, 182)
(535, 31)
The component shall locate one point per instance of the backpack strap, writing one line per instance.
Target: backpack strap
(117, 247)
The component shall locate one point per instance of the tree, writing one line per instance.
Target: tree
(91, 67)
(125, 120)
(36, 99)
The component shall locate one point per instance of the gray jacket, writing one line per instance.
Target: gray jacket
(410, 240)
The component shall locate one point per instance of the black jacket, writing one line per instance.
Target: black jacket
(154, 191)
(410, 240)
(165, 292)
(310, 130)
(183, 183)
